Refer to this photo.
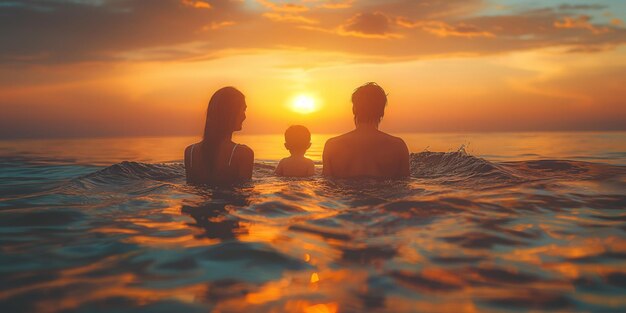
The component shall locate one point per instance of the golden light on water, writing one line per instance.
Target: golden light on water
(304, 104)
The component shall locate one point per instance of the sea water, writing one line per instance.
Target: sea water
(486, 223)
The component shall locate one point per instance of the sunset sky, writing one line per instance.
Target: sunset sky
(80, 68)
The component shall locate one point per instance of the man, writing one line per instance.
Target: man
(366, 151)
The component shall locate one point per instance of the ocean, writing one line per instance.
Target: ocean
(487, 222)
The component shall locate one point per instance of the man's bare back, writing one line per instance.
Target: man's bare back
(366, 152)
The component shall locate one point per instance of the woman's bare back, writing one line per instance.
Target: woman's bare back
(232, 163)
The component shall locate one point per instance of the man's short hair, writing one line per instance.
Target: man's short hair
(368, 103)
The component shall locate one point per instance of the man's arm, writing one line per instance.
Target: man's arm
(186, 157)
(326, 157)
(404, 169)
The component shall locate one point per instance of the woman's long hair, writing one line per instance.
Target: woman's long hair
(224, 107)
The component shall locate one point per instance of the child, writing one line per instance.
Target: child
(297, 141)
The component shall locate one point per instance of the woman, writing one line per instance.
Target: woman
(217, 160)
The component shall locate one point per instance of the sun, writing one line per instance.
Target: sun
(303, 104)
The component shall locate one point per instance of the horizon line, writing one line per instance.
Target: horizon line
(113, 136)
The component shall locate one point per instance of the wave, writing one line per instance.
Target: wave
(458, 165)
(138, 170)
(132, 177)
(446, 168)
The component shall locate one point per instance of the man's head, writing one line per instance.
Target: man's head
(297, 139)
(368, 104)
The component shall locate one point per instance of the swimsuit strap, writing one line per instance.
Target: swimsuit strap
(231, 154)
(191, 155)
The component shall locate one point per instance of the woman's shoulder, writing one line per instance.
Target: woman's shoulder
(190, 147)
(244, 151)
(193, 145)
(243, 148)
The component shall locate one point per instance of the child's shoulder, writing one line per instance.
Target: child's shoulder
(284, 162)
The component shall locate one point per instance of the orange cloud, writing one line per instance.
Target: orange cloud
(580, 22)
(374, 25)
(217, 25)
(285, 7)
(287, 17)
(337, 4)
(164, 28)
(344, 32)
(196, 4)
(368, 25)
(443, 29)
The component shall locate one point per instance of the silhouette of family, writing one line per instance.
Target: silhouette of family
(363, 152)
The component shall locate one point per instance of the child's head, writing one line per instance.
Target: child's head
(297, 139)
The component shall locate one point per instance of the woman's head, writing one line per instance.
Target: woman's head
(225, 114)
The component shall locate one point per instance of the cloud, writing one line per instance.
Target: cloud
(462, 30)
(426, 9)
(581, 7)
(368, 25)
(591, 48)
(218, 25)
(287, 17)
(548, 28)
(374, 25)
(283, 7)
(196, 4)
(338, 4)
(71, 31)
(580, 22)
(50, 32)
(286, 12)
(443, 29)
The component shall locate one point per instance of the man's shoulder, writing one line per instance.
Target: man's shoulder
(331, 142)
(394, 141)
(340, 138)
